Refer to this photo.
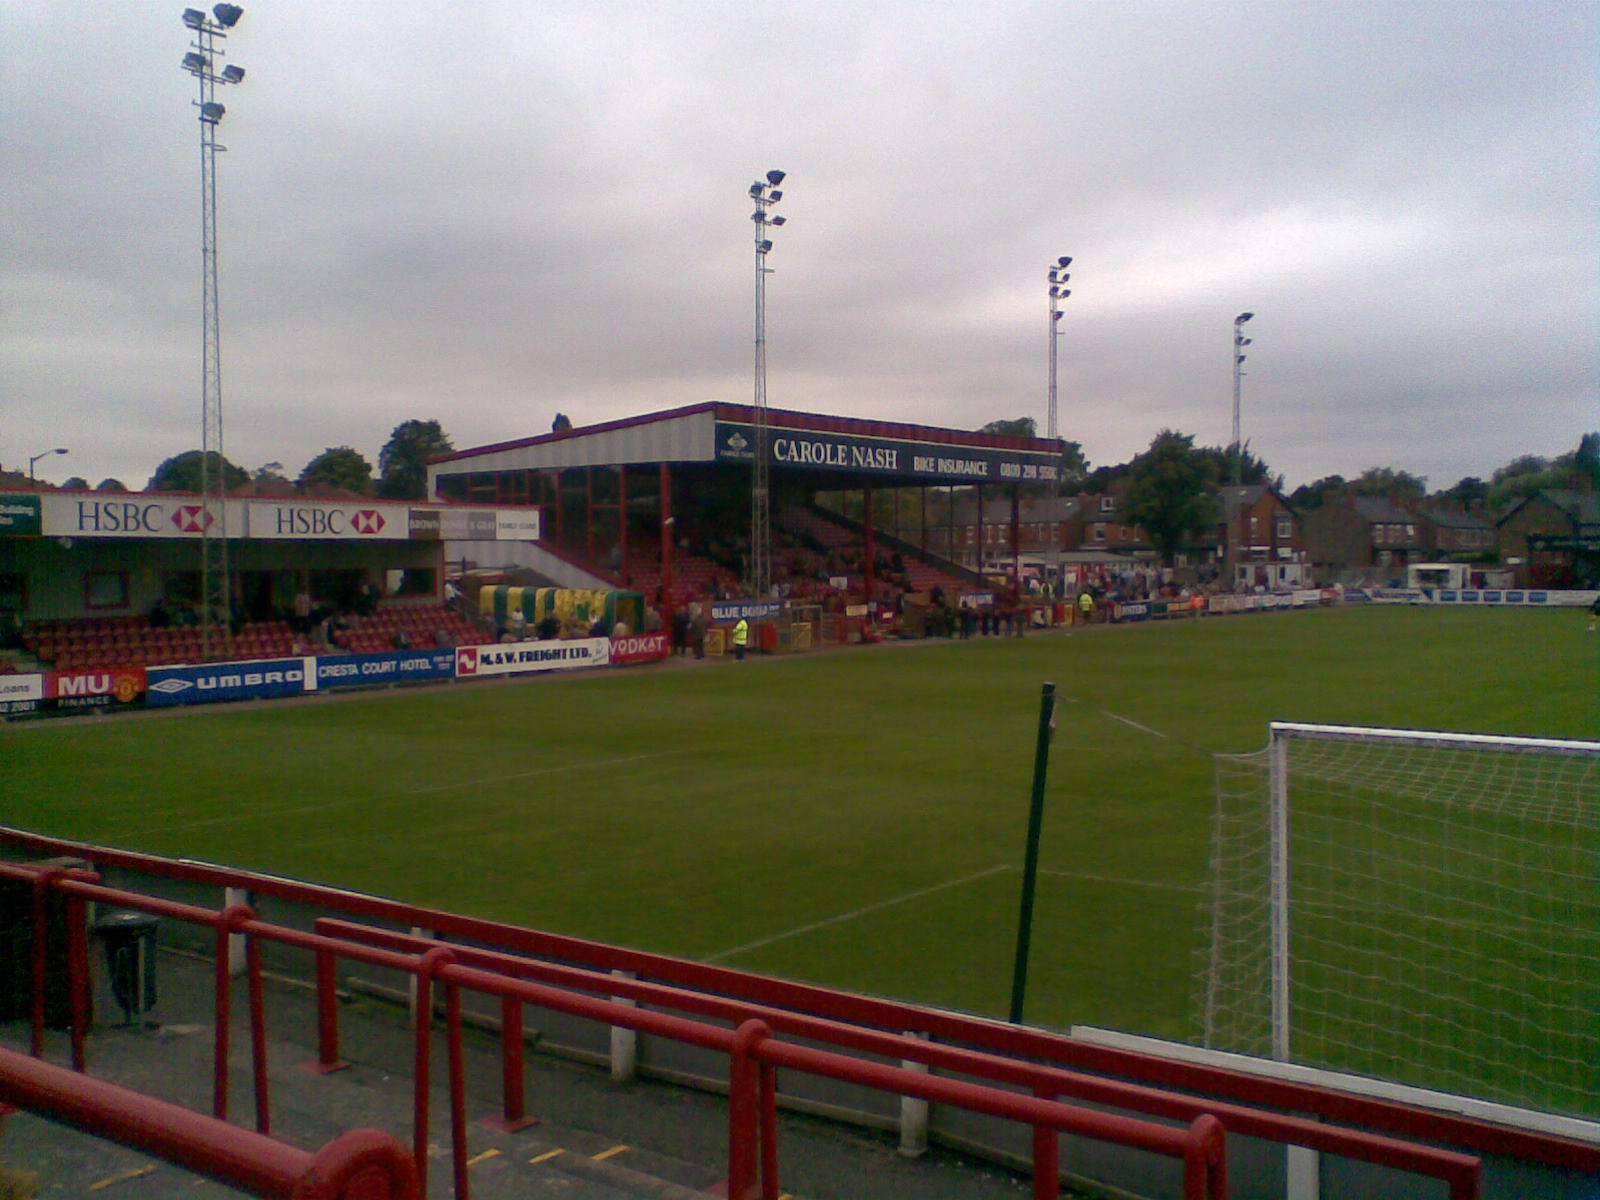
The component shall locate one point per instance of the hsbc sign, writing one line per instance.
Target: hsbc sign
(137, 515)
(324, 521)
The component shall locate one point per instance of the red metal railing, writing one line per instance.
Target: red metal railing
(364, 1164)
(1458, 1171)
(753, 1052)
(867, 1016)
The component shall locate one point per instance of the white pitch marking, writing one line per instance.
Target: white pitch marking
(1135, 724)
(1107, 879)
(854, 913)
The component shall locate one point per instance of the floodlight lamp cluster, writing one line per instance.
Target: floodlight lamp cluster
(1239, 340)
(1058, 284)
(199, 61)
(226, 17)
(766, 194)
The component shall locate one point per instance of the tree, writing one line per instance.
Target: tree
(1252, 468)
(340, 467)
(1402, 487)
(1468, 493)
(75, 483)
(562, 422)
(403, 460)
(111, 485)
(1074, 467)
(1169, 493)
(1314, 495)
(1019, 427)
(1586, 459)
(181, 473)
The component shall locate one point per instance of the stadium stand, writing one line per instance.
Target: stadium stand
(96, 643)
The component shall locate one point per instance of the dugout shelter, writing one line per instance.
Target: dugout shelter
(662, 502)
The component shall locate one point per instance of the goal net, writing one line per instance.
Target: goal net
(1417, 907)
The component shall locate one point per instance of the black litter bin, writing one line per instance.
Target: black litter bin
(130, 939)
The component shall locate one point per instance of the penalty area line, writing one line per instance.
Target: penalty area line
(841, 918)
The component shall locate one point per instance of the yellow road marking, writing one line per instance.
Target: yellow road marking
(605, 1154)
(476, 1159)
(545, 1157)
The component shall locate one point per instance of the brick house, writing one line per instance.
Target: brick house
(1354, 536)
(1046, 525)
(1552, 539)
(1258, 538)
(1457, 535)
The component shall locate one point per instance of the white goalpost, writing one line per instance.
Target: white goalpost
(1421, 908)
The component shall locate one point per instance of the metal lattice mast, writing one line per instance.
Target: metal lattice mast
(1058, 292)
(215, 586)
(759, 562)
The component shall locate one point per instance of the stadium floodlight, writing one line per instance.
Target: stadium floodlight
(758, 564)
(1058, 292)
(215, 585)
(1239, 340)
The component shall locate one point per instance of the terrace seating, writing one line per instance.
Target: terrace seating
(99, 643)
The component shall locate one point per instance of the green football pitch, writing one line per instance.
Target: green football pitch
(850, 818)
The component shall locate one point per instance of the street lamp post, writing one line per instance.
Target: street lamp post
(202, 63)
(37, 457)
(759, 564)
(1058, 292)
(1235, 538)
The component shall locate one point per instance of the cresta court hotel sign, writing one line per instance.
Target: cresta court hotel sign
(132, 515)
(930, 462)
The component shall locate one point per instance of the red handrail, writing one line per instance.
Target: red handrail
(753, 1055)
(1459, 1171)
(1009, 1040)
(759, 992)
(364, 1164)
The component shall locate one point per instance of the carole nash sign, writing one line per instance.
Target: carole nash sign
(931, 462)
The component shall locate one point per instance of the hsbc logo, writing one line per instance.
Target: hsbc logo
(368, 520)
(466, 660)
(192, 518)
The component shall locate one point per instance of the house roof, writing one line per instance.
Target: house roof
(1377, 510)
(1454, 518)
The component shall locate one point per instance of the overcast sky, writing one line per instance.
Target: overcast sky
(488, 213)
